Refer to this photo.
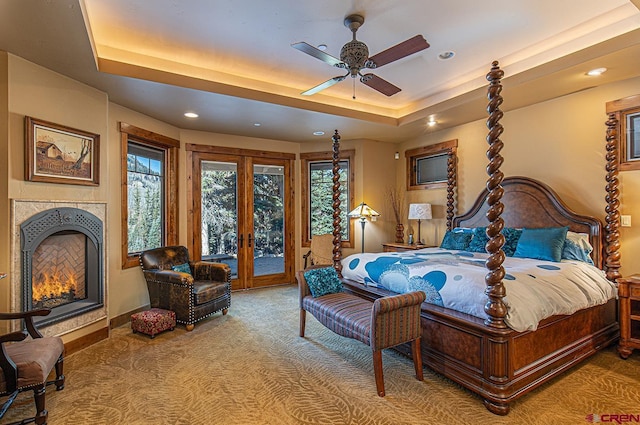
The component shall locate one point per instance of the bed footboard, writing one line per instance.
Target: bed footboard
(502, 365)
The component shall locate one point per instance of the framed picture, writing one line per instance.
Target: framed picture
(55, 153)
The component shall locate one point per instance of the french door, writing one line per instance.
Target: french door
(242, 214)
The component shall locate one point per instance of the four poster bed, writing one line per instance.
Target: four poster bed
(480, 350)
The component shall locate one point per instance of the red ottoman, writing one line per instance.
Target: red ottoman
(154, 321)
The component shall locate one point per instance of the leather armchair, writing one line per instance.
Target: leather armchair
(192, 296)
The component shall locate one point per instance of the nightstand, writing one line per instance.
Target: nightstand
(629, 310)
(399, 247)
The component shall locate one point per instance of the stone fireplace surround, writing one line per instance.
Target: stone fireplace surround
(22, 210)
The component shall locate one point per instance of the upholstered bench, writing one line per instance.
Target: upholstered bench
(153, 321)
(384, 323)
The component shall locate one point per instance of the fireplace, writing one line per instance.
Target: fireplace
(62, 263)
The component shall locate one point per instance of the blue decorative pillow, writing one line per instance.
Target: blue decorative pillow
(543, 244)
(511, 237)
(182, 268)
(323, 281)
(577, 247)
(458, 241)
(479, 240)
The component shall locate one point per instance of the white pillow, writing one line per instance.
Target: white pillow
(577, 247)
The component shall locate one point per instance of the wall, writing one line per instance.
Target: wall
(560, 142)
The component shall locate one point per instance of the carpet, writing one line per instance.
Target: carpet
(251, 367)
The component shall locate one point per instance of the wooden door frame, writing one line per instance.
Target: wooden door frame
(194, 216)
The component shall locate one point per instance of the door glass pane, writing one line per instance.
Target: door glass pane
(219, 213)
(268, 219)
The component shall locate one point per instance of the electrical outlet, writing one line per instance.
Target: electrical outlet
(625, 220)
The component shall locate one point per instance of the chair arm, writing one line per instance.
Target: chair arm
(206, 270)
(396, 319)
(168, 276)
(27, 316)
(8, 366)
(306, 258)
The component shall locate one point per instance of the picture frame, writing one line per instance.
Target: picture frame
(55, 153)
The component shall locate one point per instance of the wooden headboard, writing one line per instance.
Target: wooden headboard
(530, 203)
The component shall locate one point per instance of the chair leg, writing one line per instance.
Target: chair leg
(41, 411)
(190, 327)
(377, 370)
(59, 374)
(303, 321)
(417, 358)
(224, 311)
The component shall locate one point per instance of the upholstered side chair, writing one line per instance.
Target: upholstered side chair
(320, 252)
(27, 358)
(193, 290)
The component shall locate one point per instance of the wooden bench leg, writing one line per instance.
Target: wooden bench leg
(377, 370)
(303, 316)
(417, 358)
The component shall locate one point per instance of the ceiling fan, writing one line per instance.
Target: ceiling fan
(354, 57)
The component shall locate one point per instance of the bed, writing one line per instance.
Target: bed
(478, 349)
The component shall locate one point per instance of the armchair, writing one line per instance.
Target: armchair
(194, 295)
(26, 364)
(320, 252)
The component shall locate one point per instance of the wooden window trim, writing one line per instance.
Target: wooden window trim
(306, 158)
(171, 147)
(449, 147)
(621, 108)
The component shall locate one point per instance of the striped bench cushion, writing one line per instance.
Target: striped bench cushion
(342, 313)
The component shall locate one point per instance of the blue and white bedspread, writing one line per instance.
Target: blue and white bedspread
(535, 289)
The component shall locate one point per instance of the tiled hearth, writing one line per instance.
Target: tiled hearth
(23, 211)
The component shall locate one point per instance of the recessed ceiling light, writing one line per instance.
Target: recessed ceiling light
(596, 72)
(446, 55)
(318, 133)
(322, 47)
(432, 121)
(256, 124)
(191, 115)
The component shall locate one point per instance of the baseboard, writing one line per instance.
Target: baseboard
(85, 341)
(124, 318)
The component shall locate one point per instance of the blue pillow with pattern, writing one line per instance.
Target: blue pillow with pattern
(543, 244)
(456, 240)
(479, 240)
(182, 268)
(511, 237)
(323, 281)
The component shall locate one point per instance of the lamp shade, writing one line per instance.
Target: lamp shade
(363, 210)
(419, 211)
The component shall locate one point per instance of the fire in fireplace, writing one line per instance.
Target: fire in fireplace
(62, 263)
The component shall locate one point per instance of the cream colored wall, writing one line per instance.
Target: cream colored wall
(5, 239)
(560, 142)
(40, 93)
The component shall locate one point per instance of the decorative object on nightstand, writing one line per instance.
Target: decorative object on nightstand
(419, 212)
(363, 212)
(629, 310)
(396, 201)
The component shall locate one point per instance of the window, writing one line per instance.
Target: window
(149, 192)
(317, 207)
(428, 167)
(627, 113)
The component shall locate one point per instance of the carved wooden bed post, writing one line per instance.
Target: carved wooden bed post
(495, 308)
(611, 233)
(337, 228)
(451, 186)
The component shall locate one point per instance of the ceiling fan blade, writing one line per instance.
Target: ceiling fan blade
(399, 51)
(316, 53)
(324, 85)
(380, 84)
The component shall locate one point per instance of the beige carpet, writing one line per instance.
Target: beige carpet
(250, 367)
